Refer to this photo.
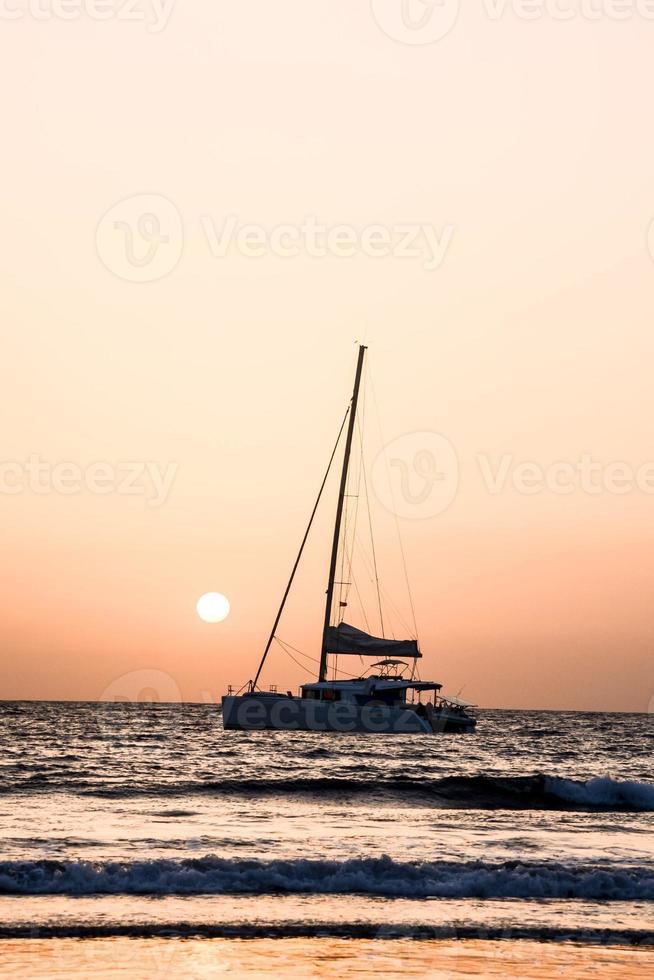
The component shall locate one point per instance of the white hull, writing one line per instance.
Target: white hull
(275, 712)
(304, 715)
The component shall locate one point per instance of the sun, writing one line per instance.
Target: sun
(213, 607)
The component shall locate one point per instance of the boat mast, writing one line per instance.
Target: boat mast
(339, 513)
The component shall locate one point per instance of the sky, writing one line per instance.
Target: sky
(204, 208)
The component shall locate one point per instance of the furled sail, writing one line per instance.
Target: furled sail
(349, 640)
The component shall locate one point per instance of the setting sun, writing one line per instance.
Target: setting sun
(213, 607)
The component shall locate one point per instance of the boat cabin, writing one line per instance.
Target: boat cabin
(389, 686)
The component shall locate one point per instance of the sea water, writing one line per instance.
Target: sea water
(144, 840)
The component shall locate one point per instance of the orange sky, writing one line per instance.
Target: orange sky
(532, 339)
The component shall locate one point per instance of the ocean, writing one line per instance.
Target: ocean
(142, 840)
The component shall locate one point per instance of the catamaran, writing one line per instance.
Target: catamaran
(387, 698)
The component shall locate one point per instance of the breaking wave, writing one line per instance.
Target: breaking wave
(213, 875)
(472, 792)
(476, 792)
(603, 792)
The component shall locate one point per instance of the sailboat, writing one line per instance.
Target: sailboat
(386, 699)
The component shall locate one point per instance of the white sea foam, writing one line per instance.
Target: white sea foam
(603, 792)
(371, 876)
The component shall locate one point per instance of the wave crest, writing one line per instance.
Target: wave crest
(475, 792)
(471, 792)
(603, 792)
(213, 875)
